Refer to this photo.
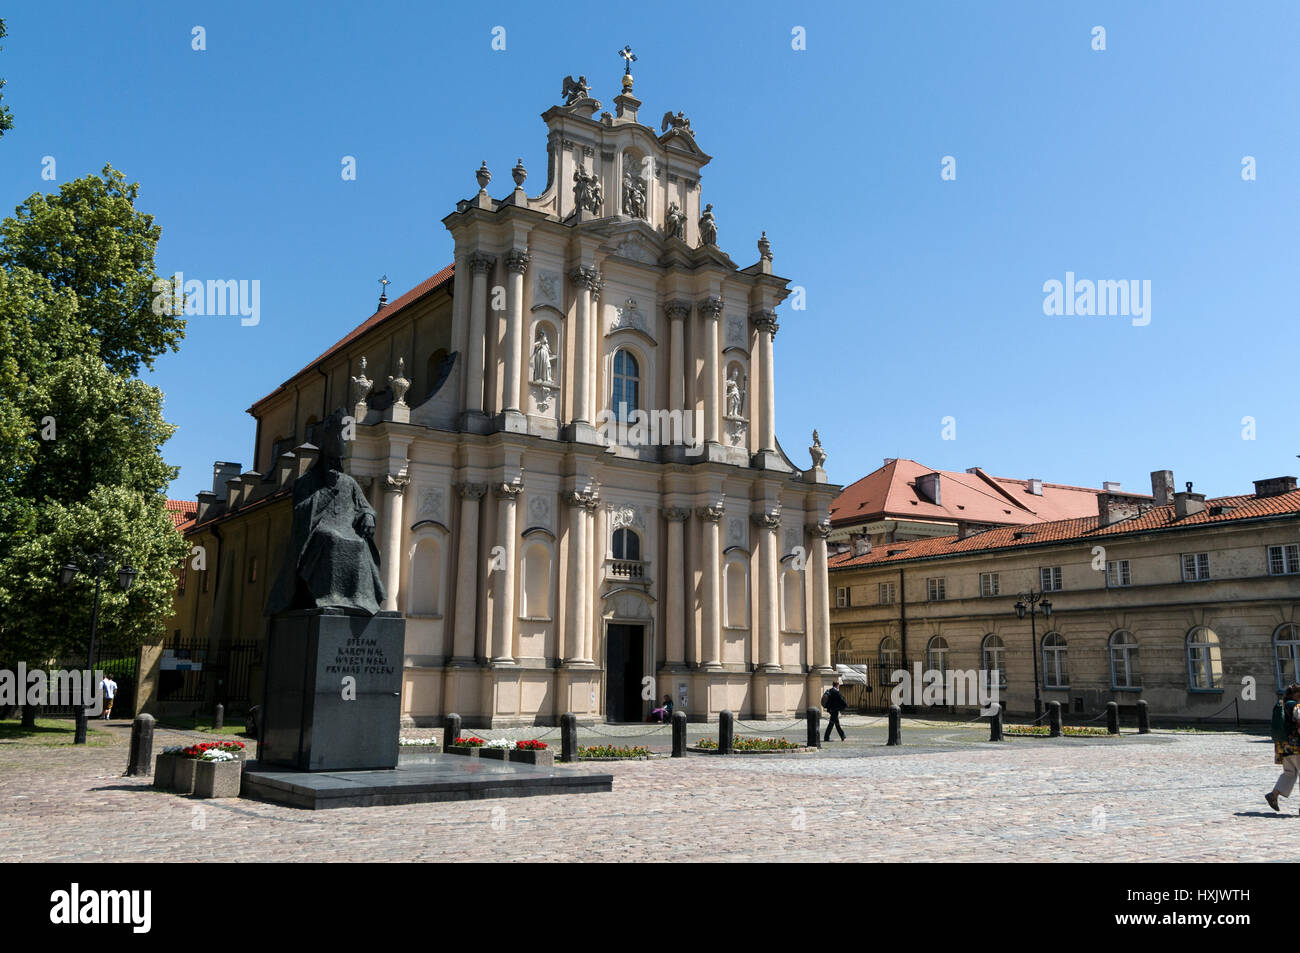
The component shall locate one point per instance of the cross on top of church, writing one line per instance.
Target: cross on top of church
(383, 290)
(630, 57)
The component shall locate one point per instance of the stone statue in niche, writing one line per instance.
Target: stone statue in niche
(816, 452)
(675, 224)
(586, 190)
(735, 393)
(543, 359)
(331, 560)
(708, 227)
(634, 192)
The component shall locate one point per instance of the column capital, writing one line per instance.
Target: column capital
(472, 491)
(768, 521)
(677, 514)
(677, 310)
(481, 264)
(507, 492)
(819, 530)
(396, 483)
(710, 514)
(765, 321)
(584, 277)
(517, 260)
(586, 501)
(711, 306)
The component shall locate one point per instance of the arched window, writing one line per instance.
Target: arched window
(1286, 652)
(1124, 660)
(424, 587)
(1056, 661)
(535, 601)
(435, 371)
(627, 385)
(891, 657)
(792, 600)
(995, 658)
(627, 544)
(736, 578)
(1204, 661)
(936, 654)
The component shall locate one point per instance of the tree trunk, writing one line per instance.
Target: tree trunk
(29, 716)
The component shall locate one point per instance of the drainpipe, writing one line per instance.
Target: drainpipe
(325, 392)
(902, 622)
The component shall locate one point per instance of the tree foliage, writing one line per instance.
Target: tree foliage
(6, 117)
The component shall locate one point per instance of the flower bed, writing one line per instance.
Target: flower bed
(744, 744)
(1043, 731)
(416, 742)
(613, 753)
(206, 769)
(470, 747)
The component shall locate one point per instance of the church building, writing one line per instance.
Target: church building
(569, 438)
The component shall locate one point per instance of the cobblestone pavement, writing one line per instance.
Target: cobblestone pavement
(1166, 796)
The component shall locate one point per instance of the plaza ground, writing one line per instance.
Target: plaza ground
(947, 794)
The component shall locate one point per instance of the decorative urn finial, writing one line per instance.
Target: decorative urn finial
(483, 176)
(764, 248)
(519, 173)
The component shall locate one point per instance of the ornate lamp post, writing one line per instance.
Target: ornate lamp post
(1030, 601)
(99, 564)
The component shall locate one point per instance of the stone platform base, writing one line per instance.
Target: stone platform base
(416, 780)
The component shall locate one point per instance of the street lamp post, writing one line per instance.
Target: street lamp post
(99, 563)
(1029, 602)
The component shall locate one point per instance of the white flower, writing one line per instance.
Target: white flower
(213, 754)
(505, 743)
(417, 741)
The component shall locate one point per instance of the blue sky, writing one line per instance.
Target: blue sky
(925, 297)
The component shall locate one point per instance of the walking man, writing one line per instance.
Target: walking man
(1286, 744)
(109, 689)
(834, 703)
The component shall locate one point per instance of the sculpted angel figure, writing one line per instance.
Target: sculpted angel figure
(575, 90)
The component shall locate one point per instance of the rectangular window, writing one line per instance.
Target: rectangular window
(1196, 566)
(841, 597)
(934, 589)
(1049, 578)
(1284, 560)
(990, 584)
(886, 593)
(1117, 573)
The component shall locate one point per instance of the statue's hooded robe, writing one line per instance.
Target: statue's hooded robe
(332, 559)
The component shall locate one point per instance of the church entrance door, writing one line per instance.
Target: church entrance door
(624, 669)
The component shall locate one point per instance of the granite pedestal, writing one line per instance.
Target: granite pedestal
(312, 717)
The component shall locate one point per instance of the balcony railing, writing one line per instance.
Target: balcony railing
(627, 571)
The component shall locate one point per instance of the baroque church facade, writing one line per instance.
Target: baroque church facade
(581, 501)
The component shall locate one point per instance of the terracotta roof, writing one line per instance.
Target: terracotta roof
(891, 492)
(1158, 519)
(389, 311)
(182, 512)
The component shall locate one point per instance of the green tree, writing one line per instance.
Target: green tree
(90, 239)
(6, 117)
(81, 467)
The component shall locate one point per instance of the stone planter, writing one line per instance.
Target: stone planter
(544, 758)
(217, 778)
(164, 771)
(183, 775)
(493, 754)
(461, 749)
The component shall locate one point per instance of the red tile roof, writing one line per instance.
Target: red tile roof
(389, 311)
(182, 512)
(1157, 519)
(891, 492)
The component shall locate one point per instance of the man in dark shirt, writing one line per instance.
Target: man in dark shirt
(835, 704)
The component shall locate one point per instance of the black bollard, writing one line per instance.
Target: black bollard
(895, 726)
(219, 719)
(568, 737)
(141, 758)
(679, 734)
(1144, 718)
(1054, 718)
(995, 723)
(814, 727)
(1112, 717)
(726, 732)
(450, 730)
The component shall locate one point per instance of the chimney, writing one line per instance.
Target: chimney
(928, 487)
(285, 468)
(207, 499)
(1110, 487)
(1162, 486)
(1036, 486)
(221, 472)
(1114, 507)
(1188, 503)
(1274, 486)
(861, 544)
